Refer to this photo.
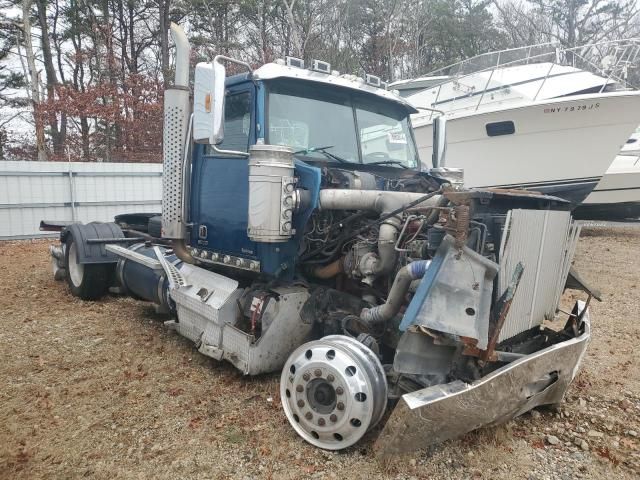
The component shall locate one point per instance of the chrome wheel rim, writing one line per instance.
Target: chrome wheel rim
(333, 391)
(76, 270)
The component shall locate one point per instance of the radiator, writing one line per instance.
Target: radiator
(545, 242)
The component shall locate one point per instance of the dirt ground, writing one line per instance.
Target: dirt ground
(104, 390)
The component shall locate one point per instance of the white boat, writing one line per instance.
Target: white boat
(617, 196)
(521, 75)
(560, 147)
(503, 86)
(632, 145)
(531, 123)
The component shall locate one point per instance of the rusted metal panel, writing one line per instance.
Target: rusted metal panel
(501, 311)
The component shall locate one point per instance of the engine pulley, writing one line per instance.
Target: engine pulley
(333, 391)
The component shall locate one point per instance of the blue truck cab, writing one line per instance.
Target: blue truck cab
(328, 119)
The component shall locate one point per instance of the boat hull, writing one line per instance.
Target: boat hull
(617, 195)
(561, 147)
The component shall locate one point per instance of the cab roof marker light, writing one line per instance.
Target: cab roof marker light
(320, 66)
(335, 73)
(279, 61)
(372, 80)
(294, 62)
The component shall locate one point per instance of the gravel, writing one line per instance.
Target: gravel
(103, 390)
(553, 440)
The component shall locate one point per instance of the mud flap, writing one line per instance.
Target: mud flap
(90, 253)
(441, 412)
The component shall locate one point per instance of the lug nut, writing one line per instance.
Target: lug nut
(299, 389)
(330, 378)
(339, 390)
(300, 403)
(306, 376)
(321, 422)
(317, 372)
(340, 406)
(333, 417)
(308, 416)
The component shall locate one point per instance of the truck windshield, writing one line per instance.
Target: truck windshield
(356, 128)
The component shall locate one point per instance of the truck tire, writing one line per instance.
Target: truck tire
(88, 281)
(154, 228)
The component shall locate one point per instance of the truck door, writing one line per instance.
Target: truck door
(220, 182)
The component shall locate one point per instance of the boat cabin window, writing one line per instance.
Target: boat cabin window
(496, 129)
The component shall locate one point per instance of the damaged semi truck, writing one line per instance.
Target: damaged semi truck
(300, 235)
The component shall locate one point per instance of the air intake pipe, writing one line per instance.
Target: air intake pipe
(395, 299)
(383, 203)
(175, 148)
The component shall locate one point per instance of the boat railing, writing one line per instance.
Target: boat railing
(609, 59)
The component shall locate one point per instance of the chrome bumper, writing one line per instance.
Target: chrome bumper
(441, 412)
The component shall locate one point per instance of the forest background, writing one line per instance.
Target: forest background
(84, 81)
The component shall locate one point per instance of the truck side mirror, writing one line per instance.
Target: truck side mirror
(219, 74)
(438, 158)
(208, 103)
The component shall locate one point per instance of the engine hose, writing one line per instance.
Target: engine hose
(329, 271)
(341, 224)
(380, 220)
(395, 299)
(394, 213)
(435, 213)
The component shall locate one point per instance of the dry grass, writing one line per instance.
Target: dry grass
(103, 390)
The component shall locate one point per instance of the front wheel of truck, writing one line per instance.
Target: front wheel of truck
(333, 391)
(86, 281)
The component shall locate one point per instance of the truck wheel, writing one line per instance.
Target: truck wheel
(333, 390)
(88, 281)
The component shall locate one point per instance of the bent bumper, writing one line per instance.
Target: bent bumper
(441, 412)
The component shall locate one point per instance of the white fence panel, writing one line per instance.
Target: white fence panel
(73, 191)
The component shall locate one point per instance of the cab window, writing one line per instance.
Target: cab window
(237, 122)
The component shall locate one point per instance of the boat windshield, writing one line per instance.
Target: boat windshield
(338, 125)
(610, 59)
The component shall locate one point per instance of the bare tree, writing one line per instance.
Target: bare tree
(57, 131)
(568, 22)
(296, 40)
(33, 80)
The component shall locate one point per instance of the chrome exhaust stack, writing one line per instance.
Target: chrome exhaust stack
(175, 149)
